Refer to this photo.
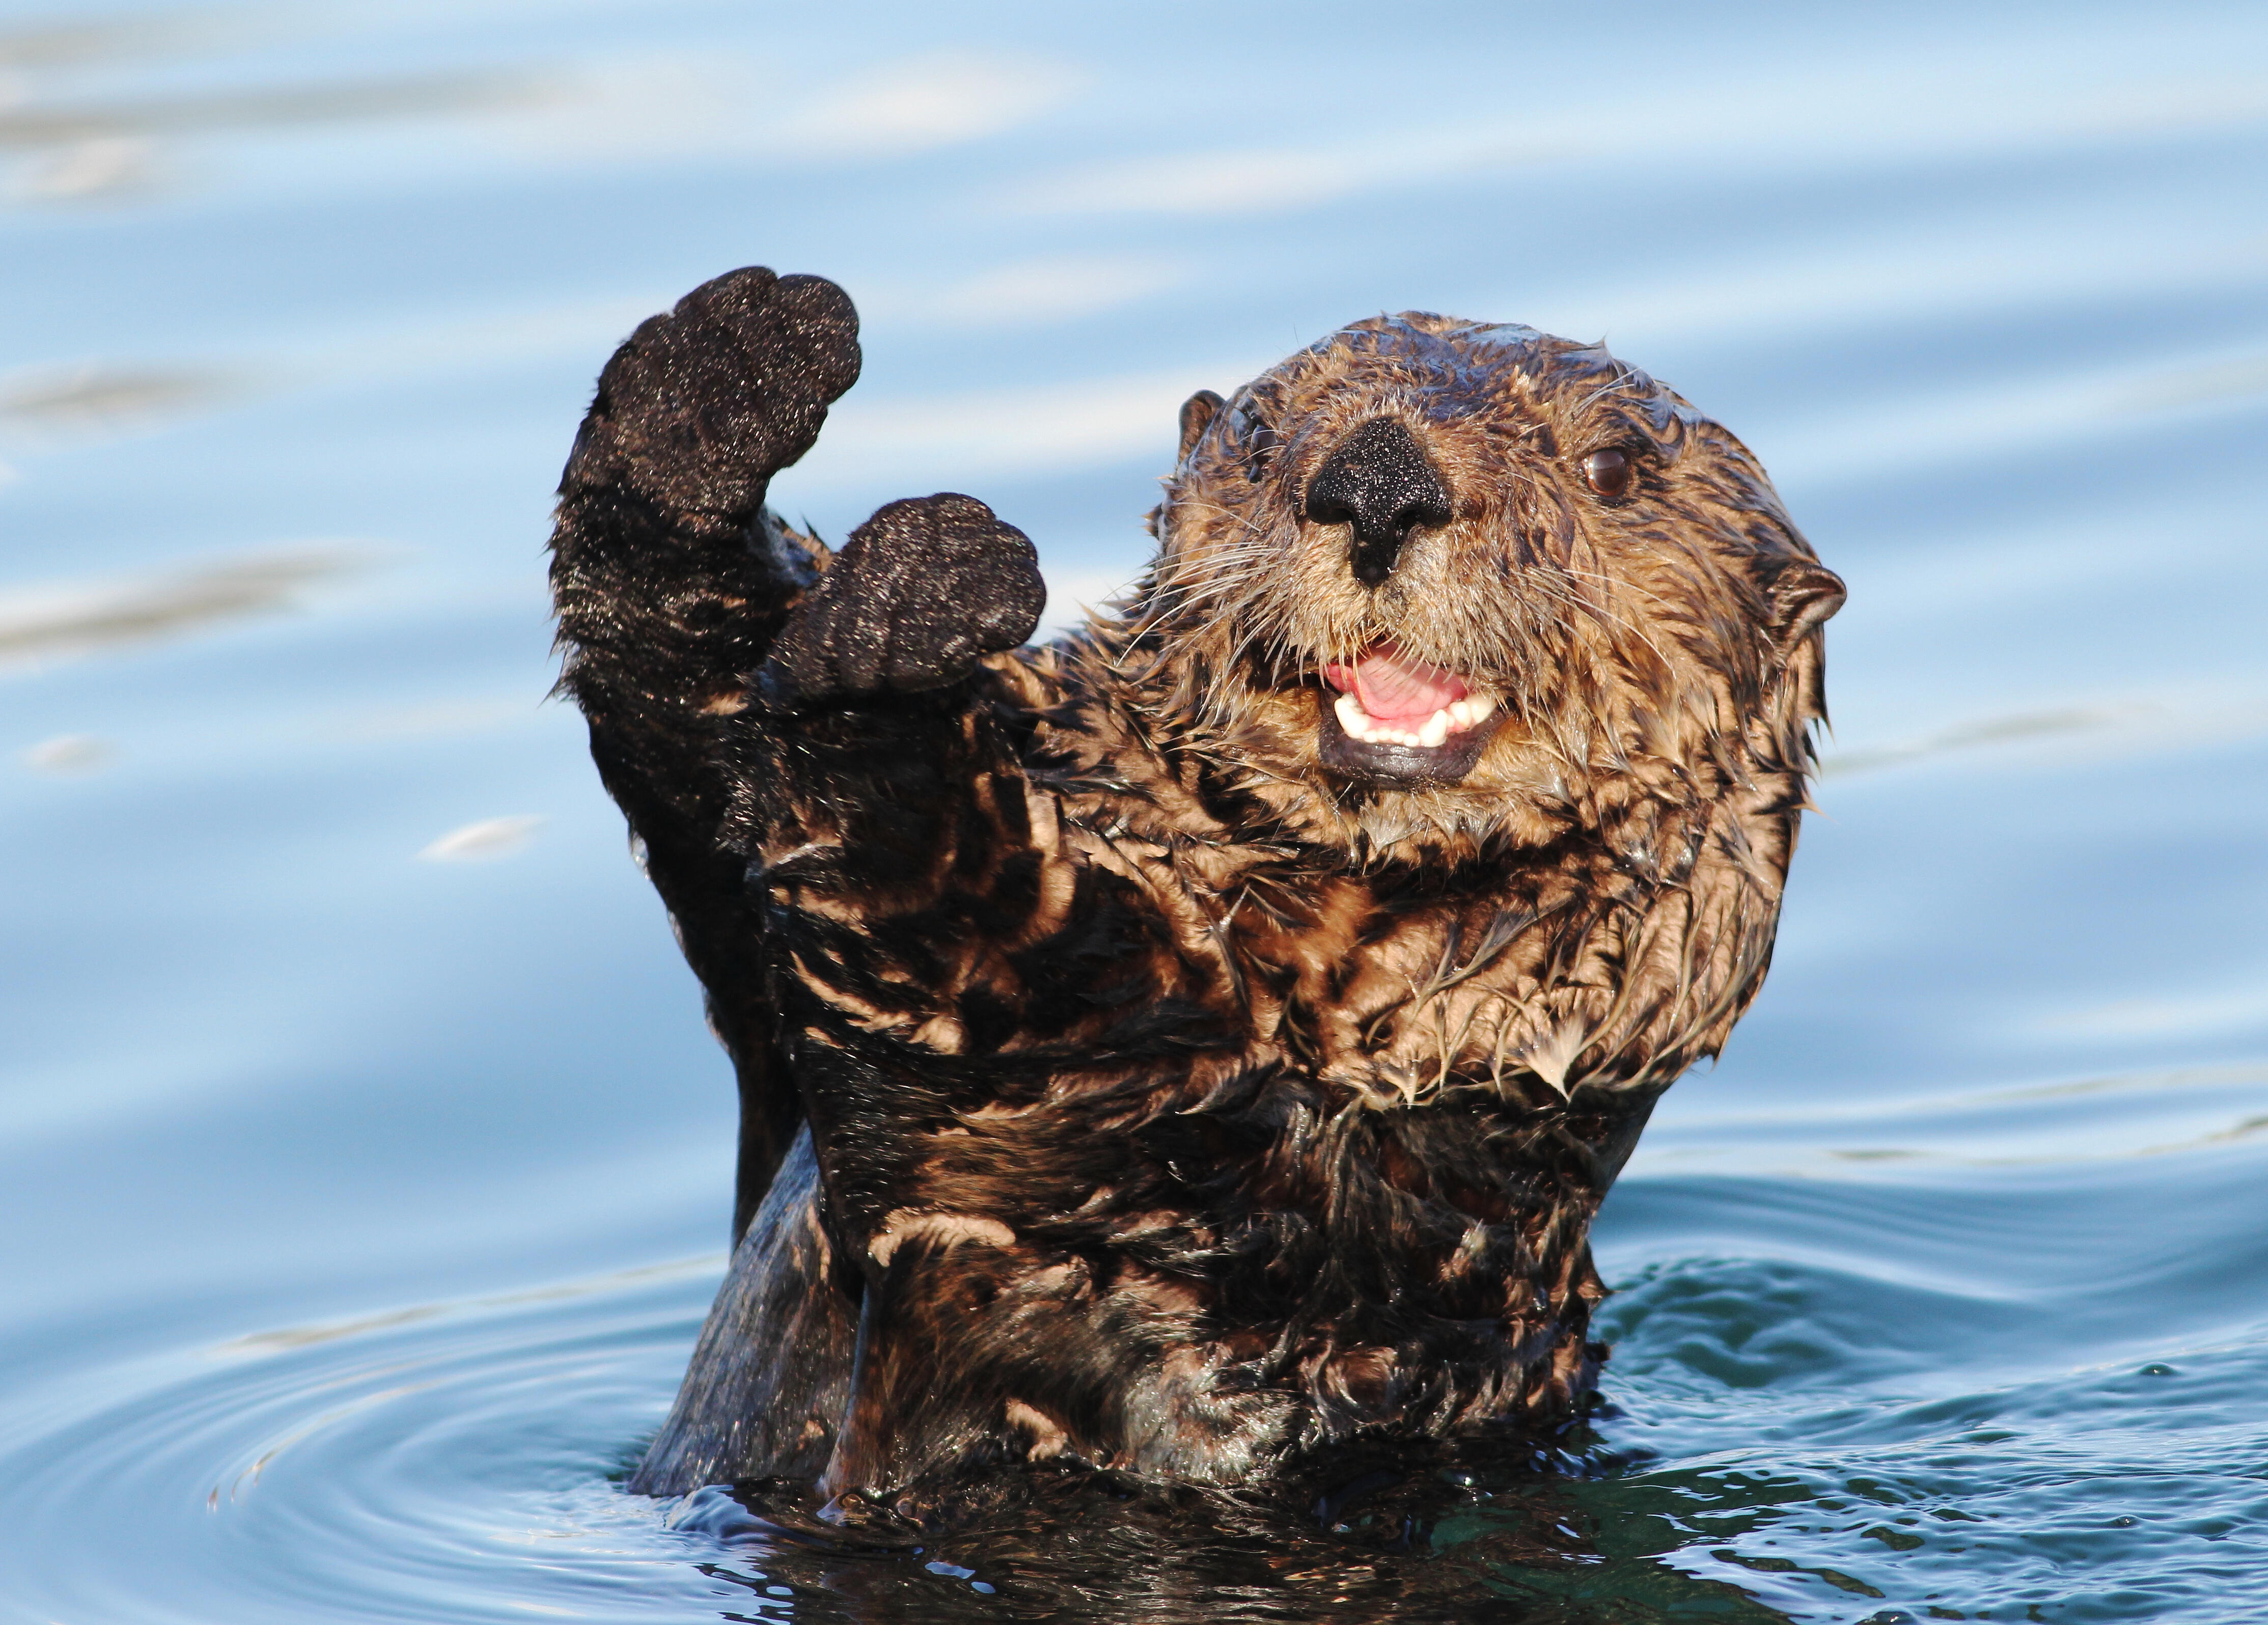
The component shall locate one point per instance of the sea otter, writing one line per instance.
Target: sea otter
(1205, 1040)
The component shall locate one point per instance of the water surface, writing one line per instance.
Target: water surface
(364, 1165)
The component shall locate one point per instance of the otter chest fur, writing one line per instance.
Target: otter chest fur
(1205, 1040)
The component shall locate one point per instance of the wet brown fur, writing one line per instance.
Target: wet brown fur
(1175, 1102)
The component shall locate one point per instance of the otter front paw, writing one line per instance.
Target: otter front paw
(919, 594)
(700, 408)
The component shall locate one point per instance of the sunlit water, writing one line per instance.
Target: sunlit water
(364, 1165)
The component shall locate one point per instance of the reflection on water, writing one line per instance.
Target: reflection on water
(69, 753)
(359, 1201)
(116, 149)
(87, 400)
(40, 623)
(254, 109)
(67, 42)
(1970, 736)
(483, 838)
(99, 166)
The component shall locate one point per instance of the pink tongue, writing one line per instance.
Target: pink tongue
(1393, 689)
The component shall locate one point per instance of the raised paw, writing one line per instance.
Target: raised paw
(700, 408)
(920, 594)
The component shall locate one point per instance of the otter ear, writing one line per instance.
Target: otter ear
(1804, 593)
(1196, 412)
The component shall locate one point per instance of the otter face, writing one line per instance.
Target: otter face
(1453, 578)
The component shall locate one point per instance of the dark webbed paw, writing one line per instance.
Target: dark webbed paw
(700, 408)
(920, 594)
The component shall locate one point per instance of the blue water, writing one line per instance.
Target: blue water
(365, 1166)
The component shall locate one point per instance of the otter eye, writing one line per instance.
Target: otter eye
(1608, 471)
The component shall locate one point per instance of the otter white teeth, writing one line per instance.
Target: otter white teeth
(1431, 734)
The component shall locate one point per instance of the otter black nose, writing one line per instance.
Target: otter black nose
(1379, 481)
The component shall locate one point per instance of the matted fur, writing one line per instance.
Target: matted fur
(1177, 1102)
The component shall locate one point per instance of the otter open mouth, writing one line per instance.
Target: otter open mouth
(1398, 720)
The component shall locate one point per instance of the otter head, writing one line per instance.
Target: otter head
(1442, 582)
